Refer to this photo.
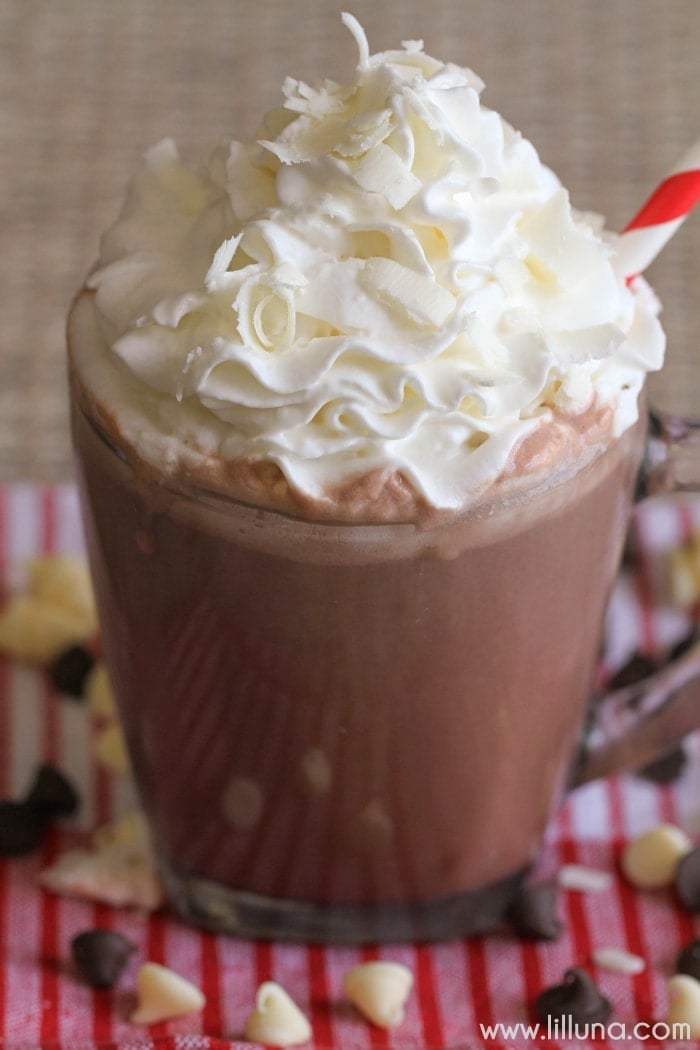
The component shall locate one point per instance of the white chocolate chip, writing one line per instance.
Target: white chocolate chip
(379, 990)
(684, 1003)
(683, 565)
(129, 832)
(98, 693)
(37, 631)
(64, 580)
(587, 880)
(276, 1019)
(683, 581)
(242, 803)
(163, 994)
(650, 860)
(617, 960)
(57, 610)
(110, 749)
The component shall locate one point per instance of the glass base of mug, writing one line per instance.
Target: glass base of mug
(221, 909)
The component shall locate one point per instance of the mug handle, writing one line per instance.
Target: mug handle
(633, 726)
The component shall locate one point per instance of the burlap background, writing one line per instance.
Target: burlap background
(607, 90)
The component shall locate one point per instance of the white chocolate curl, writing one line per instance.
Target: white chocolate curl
(387, 280)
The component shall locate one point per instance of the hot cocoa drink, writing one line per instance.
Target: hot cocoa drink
(356, 419)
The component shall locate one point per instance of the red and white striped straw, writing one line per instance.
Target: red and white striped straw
(658, 219)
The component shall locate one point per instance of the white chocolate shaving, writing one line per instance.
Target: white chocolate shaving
(351, 23)
(416, 296)
(382, 171)
(367, 130)
(586, 880)
(617, 960)
(113, 878)
(379, 990)
(119, 870)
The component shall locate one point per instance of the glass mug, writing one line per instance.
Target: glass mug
(360, 732)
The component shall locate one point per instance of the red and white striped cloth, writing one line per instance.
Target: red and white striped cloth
(459, 985)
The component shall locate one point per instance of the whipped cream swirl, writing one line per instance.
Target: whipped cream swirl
(388, 279)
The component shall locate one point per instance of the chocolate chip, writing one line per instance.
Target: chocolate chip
(688, 960)
(70, 669)
(637, 668)
(21, 828)
(100, 956)
(666, 769)
(578, 998)
(533, 913)
(687, 880)
(22, 824)
(52, 794)
(682, 646)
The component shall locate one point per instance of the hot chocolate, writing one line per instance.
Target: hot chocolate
(356, 420)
